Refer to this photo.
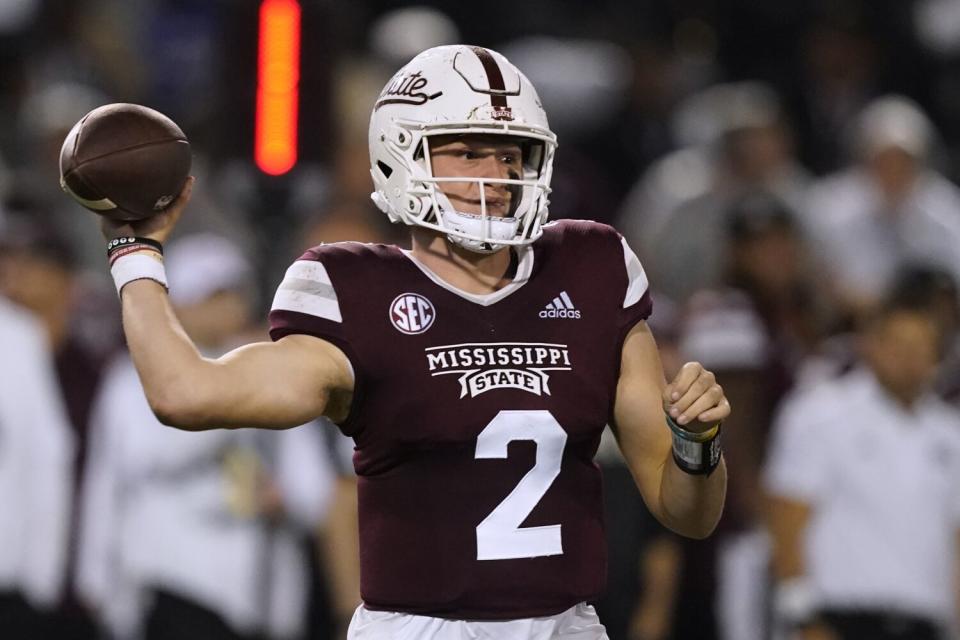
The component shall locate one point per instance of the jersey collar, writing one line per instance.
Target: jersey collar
(524, 269)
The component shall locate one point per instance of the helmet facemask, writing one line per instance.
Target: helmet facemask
(483, 231)
(428, 206)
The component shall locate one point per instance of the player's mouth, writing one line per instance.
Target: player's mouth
(495, 206)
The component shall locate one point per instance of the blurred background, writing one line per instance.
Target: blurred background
(786, 172)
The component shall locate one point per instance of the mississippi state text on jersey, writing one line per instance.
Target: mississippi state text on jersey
(476, 418)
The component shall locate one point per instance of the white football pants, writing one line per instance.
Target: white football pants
(579, 622)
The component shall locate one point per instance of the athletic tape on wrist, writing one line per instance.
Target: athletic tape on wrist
(695, 453)
(142, 265)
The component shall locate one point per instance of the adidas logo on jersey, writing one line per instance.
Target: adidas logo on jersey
(560, 307)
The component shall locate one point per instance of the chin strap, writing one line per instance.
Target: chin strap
(500, 229)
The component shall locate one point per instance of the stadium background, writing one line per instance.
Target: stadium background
(694, 126)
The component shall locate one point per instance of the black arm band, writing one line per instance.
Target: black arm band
(693, 453)
(119, 243)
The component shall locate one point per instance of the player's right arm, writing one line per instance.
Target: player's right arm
(272, 385)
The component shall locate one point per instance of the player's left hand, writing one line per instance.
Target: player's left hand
(694, 399)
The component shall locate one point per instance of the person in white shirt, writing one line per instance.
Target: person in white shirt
(198, 536)
(890, 208)
(862, 478)
(36, 451)
(739, 143)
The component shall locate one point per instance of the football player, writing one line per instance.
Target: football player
(474, 371)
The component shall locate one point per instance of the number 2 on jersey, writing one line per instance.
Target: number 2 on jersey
(499, 536)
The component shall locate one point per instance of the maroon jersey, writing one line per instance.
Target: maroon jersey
(476, 418)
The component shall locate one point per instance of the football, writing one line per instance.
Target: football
(125, 161)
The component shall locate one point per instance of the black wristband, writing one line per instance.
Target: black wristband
(125, 241)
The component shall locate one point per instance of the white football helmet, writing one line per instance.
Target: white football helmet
(460, 90)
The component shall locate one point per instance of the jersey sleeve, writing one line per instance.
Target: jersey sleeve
(623, 277)
(637, 304)
(306, 302)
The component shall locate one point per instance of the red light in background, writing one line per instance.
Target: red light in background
(278, 80)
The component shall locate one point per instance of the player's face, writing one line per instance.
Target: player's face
(34, 282)
(477, 156)
(904, 350)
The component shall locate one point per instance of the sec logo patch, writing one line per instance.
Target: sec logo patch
(411, 313)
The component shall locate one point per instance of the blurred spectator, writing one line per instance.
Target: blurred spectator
(742, 144)
(47, 114)
(862, 477)
(724, 576)
(573, 77)
(340, 537)
(5, 180)
(199, 535)
(398, 35)
(838, 75)
(769, 261)
(640, 133)
(888, 209)
(583, 84)
(38, 271)
(753, 330)
(36, 448)
(938, 31)
(938, 25)
(347, 221)
(943, 289)
(644, 563)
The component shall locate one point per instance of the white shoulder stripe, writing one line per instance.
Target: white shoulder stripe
(306, 288)
(308, 270)
(637, 284)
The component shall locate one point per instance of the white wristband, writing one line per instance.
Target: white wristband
(144, 265)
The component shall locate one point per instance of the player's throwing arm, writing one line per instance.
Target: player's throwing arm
(270, 385)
